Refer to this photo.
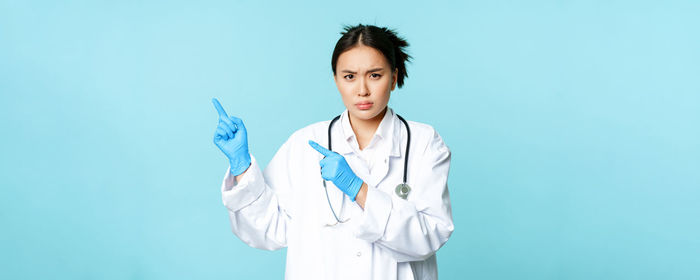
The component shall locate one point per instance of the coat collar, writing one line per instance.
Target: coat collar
(388, 128)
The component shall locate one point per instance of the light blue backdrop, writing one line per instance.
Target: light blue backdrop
(574, 128)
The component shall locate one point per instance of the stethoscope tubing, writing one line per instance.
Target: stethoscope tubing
(405, 163)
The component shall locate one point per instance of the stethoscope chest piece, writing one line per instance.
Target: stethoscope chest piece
(402, 190)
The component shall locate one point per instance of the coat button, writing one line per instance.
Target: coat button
(359, 254)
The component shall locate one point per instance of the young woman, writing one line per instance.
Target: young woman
(385, 209)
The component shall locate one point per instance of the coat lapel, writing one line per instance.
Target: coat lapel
(394, 143)
(394, 146)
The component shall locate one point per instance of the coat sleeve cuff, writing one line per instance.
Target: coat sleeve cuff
(372, 223)
(237, 195)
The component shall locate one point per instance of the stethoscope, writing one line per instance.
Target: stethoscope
(402, 190)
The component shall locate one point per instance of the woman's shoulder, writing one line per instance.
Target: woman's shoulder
(426, 135)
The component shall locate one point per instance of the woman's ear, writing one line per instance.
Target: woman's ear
(394, 76)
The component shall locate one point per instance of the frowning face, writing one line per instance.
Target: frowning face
(365, 81)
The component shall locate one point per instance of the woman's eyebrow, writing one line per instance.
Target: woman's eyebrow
(370, 70)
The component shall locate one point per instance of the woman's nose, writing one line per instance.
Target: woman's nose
(364, 91)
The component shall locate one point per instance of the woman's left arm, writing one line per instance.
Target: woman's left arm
(416, 228)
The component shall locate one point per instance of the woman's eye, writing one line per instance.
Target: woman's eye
(348, 76)
(375, 75)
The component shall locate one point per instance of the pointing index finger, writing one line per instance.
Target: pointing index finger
(217, 105)
(320, 148)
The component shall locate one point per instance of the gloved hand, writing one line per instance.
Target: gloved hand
(232, 139)
(334, 168)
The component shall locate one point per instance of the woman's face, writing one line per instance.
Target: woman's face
(365, 81)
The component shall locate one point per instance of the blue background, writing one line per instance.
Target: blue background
(573, 127)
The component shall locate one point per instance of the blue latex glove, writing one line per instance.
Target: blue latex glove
(232, 139)
(334, 168)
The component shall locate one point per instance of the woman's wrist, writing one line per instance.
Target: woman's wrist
(240, 164)
(362, 195)
(240, 176)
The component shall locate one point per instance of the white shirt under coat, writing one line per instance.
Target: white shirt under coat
(392, 238)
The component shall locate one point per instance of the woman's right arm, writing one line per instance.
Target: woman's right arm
(257, 211)
(257, 216)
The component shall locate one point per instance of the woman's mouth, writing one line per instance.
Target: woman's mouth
(365, 105)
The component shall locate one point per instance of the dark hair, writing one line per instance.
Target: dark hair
(383, 39)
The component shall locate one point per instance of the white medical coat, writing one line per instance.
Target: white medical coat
(392, 238)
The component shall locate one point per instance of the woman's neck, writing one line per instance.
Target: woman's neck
(364, 129)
